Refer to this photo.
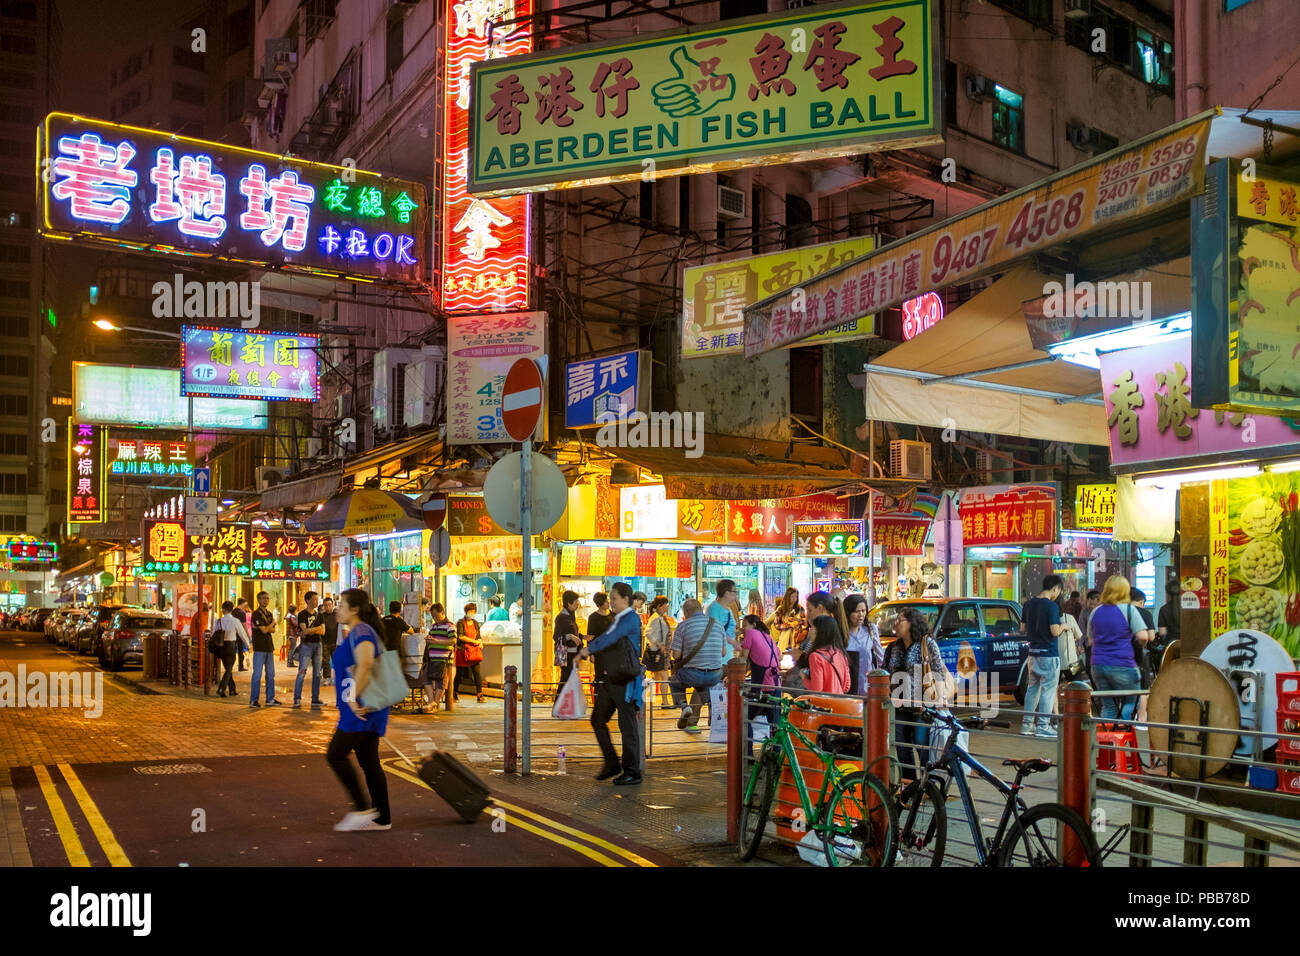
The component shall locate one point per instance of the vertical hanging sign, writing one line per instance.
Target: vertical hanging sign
(1219, 532)
(85, 473)
(484, 242)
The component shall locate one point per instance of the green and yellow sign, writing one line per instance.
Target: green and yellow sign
(830, 80)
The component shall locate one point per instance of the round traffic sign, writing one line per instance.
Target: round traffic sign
(439, 547)
(521, 399)
(435, 512)
(548, 494)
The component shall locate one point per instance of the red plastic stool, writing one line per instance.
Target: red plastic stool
(1117, 750)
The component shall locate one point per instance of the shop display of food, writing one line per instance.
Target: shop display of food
(1260, 517)
(1262, 561)
(1259, 608)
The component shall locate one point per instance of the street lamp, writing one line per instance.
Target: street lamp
(108, 326)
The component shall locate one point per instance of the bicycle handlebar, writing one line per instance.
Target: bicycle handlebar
(785, 703)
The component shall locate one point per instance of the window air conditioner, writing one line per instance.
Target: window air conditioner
(979, 87)
(731, 203)
(1078, 9)
(909, 459)
(268, 476)
(286, 61)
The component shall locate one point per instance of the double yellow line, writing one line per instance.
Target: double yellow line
(591, 846)
(63, 821)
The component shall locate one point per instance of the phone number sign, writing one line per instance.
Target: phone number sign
(827, 539)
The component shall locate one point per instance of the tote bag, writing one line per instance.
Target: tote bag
(387, 683)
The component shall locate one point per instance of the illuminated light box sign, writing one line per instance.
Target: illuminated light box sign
(827, 539)
(166, 193)
(715, 296)
(85, 472)
(151, 398)
(279, 556)
(606, 389)
(480, 351)
(1094, 507)
(247, 364)
(168, 549)
(42, 552)
(1008, 514)
(819, 82)
(485, 261)
(923, 312)
(149, 457)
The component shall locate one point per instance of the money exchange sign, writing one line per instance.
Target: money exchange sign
(816, 82)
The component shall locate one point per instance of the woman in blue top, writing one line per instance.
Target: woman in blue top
(359, 727)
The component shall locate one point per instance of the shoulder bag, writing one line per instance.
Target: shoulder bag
(620, 661)
(685, 659)
(216, 640)
(387, 684)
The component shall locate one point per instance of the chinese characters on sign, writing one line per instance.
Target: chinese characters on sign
(923, 312)
(1094, 507)
(236, 549)
(124, 184)
(484, 242)
(585, 561)
(1219, 533)
(771, 521)
(715, 295)
(150, 457)
(86, 473)
(606, 389)
(279, 556)
(1008, 514)
(903, 527)
(481, 349)
(239, 363)
(1151, 418)
(799, 85)
(43, 552)
(1149, 176)
(826, 539)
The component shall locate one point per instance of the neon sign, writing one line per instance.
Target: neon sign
(157, 191)
(85, 472)
(921, 313)
(145, 456)
(484, 243)
(245, 364)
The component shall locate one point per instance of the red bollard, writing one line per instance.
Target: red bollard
(878, 715)
(511, 689)
(1075, 786)
(734, 676)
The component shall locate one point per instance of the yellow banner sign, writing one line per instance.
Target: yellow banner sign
(821, 81)
(1094, 507)
(1219, 534)
(715, 295)
(1121, 185)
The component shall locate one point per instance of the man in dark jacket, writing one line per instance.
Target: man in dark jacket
(623, 699)
(241, 612)
(394, 627)
(330, 637)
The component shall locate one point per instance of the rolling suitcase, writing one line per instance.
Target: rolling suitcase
(453, 781)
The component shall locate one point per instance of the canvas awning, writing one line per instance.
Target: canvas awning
(304, 491)
(977, 370)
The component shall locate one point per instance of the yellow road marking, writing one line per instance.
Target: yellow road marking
(588, 852)
(62, 822)
(596, 841)
(98, 825)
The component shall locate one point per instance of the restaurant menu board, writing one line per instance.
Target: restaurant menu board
(1264, 557)
(1194, 576)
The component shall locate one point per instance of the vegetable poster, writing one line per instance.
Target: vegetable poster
(1264, 556)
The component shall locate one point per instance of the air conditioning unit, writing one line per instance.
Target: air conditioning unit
(1091, 140)
(909, 459)
(1078, 9)
(731, 203)
(424, 383)
(343, 405)
(286, 61)
(980, 88)
(390, 386)
(313, 448)
(269, 476)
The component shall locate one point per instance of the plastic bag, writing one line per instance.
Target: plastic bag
(812, 849)
(939, 739)
(570, 702)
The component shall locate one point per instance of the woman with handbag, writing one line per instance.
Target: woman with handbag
(659, 635)
(1115, 628)
(469, 651)
(359, 727)
(917, 678)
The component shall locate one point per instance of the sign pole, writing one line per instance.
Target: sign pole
(526, 535)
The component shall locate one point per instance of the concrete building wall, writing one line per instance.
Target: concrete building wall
(1230, 57)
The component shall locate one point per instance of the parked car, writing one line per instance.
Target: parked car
(975, 636)
(123, 640)
(36, 619)
(68, 626)
(92, 628)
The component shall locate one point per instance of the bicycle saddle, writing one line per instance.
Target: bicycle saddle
(841, 742)
(1032, 765)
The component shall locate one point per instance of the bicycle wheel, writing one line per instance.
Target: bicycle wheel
(1035, 838)
(861, 822)
(923, 837)
(758, 804)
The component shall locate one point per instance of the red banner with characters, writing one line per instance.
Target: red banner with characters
(900, 535)
(772, 521)
(1009, 514)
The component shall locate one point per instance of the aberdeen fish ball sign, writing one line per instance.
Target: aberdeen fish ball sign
(251, 364)
(154, 191)
(824, 80)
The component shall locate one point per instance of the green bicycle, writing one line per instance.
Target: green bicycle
(853, 815)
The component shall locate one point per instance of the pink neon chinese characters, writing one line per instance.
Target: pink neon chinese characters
(97, 178)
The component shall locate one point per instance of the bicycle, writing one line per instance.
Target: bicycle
(1026, 836)
(854, 815)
